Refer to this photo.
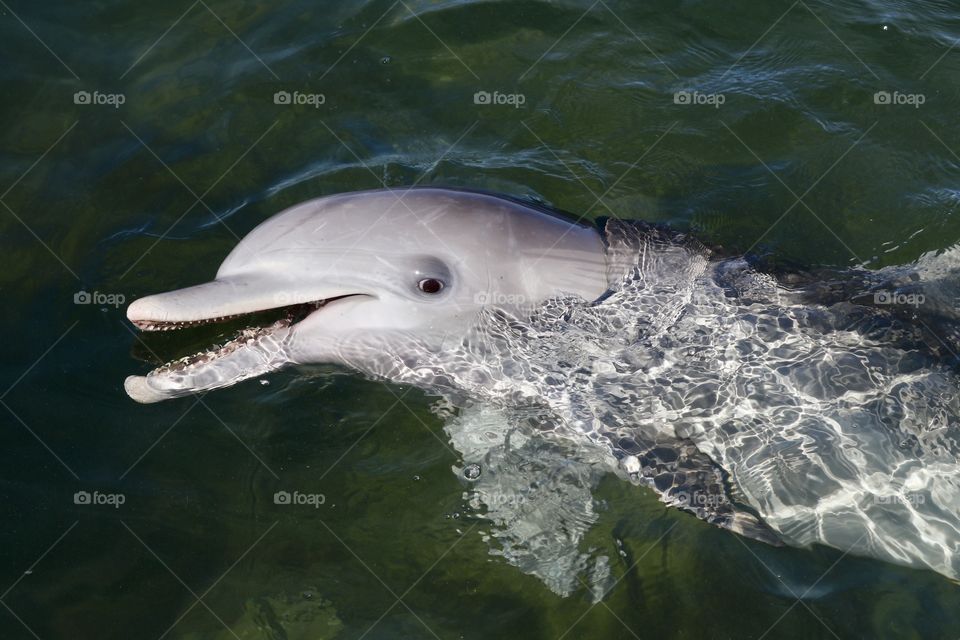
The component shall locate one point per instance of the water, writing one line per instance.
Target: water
(598, 114)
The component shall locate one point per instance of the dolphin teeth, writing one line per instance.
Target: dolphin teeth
(244, 338)
(247, 337)
(172, 325)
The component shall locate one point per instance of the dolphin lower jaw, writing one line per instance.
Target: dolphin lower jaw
(253, 353)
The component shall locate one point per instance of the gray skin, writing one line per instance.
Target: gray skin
(369, 252)
(781, 412)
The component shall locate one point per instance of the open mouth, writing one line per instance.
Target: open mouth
(250, 329)
(233, 328)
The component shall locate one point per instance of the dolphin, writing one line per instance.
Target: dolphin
(364, 275)
(789, 411)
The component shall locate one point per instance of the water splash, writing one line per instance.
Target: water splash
(731, 395)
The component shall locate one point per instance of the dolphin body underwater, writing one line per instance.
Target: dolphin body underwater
(792, 411)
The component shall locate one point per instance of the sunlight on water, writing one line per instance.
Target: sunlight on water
(143, 140)
(832, 424)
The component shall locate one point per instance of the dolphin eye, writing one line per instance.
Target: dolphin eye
(430, 285)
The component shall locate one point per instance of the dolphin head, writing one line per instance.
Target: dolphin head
(362, 278)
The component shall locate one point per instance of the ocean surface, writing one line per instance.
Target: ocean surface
(141, 140)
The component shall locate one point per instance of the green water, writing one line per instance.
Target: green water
(104, 198)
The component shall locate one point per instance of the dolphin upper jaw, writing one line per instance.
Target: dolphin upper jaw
(228, 297)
